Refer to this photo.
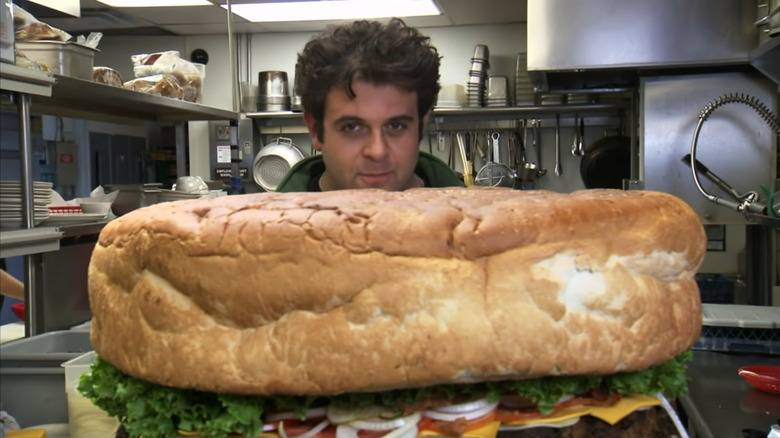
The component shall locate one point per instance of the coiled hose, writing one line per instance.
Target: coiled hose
(748, 203)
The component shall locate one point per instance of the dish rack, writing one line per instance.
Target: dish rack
(740, 328)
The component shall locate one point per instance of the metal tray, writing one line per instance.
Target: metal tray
(62, 58)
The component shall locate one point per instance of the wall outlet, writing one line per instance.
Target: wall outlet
(222, 132)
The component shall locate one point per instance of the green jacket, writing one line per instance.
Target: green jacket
(304, 176)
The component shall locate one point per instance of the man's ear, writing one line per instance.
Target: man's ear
(424, 124)
(311, 126)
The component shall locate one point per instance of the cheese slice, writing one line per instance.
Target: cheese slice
(26, 433)
(623, 408)
(489, 430)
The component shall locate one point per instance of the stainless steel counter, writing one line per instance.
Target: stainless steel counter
(720, 404)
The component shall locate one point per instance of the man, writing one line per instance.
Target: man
(367, 91)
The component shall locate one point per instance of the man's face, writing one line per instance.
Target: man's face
(371, 141)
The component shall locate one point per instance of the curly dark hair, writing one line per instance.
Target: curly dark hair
(391, 53)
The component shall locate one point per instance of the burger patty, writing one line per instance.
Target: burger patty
(650, 423)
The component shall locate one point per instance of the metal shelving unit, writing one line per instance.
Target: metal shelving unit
(42, 93)
(444, 119)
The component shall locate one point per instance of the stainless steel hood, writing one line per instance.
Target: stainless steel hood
(634, 35)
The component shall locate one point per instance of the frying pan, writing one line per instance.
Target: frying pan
(607, 162)
(273, 161)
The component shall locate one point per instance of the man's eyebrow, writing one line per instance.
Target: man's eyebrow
(355, 119)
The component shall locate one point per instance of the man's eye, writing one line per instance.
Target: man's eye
(350, 127)
(396, 126)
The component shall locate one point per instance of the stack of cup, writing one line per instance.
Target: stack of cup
(273, 91)
(475, 88)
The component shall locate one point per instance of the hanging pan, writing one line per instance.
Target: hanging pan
(607, 162)
(274, 161)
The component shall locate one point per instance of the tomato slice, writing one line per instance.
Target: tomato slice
(293, 428)
(457, 427)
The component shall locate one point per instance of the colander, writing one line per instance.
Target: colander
(273, 161)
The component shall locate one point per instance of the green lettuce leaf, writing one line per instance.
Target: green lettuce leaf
(155, 411)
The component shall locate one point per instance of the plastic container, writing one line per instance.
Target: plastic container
(33, 395)
(740, 328)
(84, 418)
(764, 378)
(32, 378)
(45, 350)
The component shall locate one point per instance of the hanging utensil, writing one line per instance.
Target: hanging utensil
(468, 176)
(494, 173)
(558, 168)
(273, 161)
(574, 138)
(581, 138)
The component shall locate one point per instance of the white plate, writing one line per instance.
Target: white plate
(73, 218)
(18, 200)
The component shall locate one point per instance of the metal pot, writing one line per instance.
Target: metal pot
(274, 161)
(607, 162)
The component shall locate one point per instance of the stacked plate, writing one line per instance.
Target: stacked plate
(524, 88)
(176, 195)
(11, 203)
(475, 88)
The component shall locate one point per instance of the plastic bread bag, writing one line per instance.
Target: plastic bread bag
(29, 28)
(92, 40)
(166, 85)
(162, 63)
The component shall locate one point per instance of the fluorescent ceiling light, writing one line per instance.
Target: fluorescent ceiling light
(332, 10)
(153, 3)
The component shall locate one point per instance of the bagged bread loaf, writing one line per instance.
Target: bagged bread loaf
(28, 28)
(108, 76)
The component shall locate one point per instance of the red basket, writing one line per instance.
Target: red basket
(18, 310)
(765, 378)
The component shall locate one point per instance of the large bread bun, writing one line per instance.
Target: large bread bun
(324, 293)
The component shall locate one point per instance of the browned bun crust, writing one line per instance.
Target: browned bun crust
(324, 293)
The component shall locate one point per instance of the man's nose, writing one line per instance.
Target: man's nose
(376, 146)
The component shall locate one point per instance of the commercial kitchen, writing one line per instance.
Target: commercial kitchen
(677, 97)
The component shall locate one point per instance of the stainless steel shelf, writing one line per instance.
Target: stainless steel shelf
(507, 111)
(83, 99)
(22, 80)
(33, 241)
(528, 111)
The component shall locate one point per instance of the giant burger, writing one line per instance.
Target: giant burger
(366, 314)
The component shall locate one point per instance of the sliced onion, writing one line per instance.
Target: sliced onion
(377, 424)
(346, 431)
(341, 415)
(313, 431)
(468, 416)
(408, 429)
(464, 407)
(411, 433)
(289, 415)
(405, 430)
